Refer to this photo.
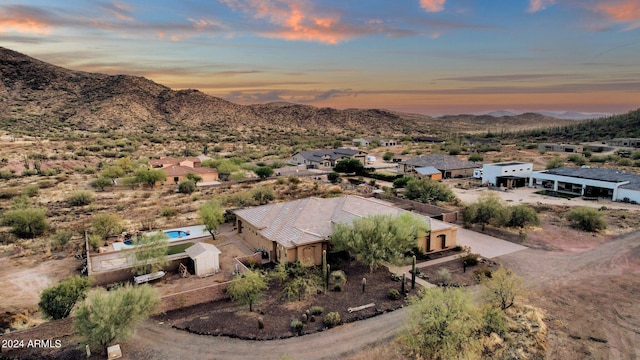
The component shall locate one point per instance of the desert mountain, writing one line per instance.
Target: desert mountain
(35, 95)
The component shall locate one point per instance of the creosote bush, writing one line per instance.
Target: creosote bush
(80, 198)
(331, 319)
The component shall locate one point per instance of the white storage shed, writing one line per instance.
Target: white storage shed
(206, 258)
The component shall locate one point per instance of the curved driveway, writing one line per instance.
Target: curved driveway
(160, 341)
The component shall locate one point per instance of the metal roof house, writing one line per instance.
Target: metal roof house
(449, 166)
(299, 230)
(327, 158)
(590, 182)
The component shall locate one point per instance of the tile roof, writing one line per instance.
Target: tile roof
(440, 162)
(311, 220)
(178, 170)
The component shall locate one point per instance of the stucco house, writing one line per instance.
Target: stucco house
(367, 141)
(178, 168)
(318, 159)
(449, 166)
(299, 230)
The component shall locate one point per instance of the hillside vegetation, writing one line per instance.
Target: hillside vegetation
(39, 97)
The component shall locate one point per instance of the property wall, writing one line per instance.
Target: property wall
(434, 242)
(192, 297)
(443, 214)
(459, 172)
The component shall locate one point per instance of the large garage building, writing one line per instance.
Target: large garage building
(590, 182)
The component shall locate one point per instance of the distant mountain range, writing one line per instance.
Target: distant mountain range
(37, 96)
(567, 115)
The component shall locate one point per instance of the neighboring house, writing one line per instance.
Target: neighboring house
(177, 173)
(449, 166)
(428, 171)
(299, 230)
(178, 168)
(317, 159)
(364, 142)
(206, 258)
(628, 142)
(568, 148)
(507, 174)
(612, 184)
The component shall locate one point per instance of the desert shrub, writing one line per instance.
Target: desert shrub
(337, 287)
(338, 277)
(333, 177)
(61, 238)
(401, 182)
(80, 198)
(586, 219)
(31, 190)
(296, 326)
(555, 163)
(393, 294)
(331, 319)
(6, 175)
(168, 211)
(29, 172)
(316, 310)
(470, 258)
(293, 179)
(482, 273)
(475, 157)
(445, 275)
(58, 300)
(187, 187)
(624, 162)
(494, 320)
(26, 222)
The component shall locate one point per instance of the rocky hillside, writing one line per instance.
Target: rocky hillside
(37, 96)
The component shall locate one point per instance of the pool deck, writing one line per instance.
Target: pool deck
(195, 232)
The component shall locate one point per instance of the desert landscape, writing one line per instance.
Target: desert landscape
(90, 163)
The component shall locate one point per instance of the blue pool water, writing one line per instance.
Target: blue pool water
(174, 234)
(128, 242)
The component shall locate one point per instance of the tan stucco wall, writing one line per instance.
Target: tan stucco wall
(251, 236)
(436, 243)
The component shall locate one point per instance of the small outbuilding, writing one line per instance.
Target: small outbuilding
(206, 258)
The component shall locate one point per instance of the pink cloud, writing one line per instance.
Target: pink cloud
(539, 5)
(296, 20)
(24, 20)
(625, 11)
(432, 5)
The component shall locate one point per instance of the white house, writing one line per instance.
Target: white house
(590, 182)
(507, 174)
(206, 258)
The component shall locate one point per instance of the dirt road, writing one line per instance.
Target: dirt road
(590, 297)
(155, 341)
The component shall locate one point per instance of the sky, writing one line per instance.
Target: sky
(422, 56)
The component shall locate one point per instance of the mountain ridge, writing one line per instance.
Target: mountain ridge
(35, 95)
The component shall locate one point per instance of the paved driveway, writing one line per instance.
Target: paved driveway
(485, 245)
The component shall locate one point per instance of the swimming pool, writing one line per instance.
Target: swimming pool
(174, 234)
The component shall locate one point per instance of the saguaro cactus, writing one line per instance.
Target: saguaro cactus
(413, 273)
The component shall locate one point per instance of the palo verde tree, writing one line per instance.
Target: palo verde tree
(105, 225)
(105, 317)
(428, 191)
(488, 209)
(212, 216)
(247, 287)
(444, 325)
(57, 301)
(522, 216)
(26, 222)
(501, 289)
(150, 176)
(377, 238)
(150, 253)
